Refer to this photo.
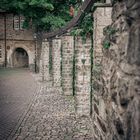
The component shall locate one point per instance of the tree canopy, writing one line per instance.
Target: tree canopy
(48, 15)
(44, 14)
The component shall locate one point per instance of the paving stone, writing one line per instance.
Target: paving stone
(14, 97)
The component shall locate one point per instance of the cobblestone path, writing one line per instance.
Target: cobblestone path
(17, 88)
(52, 117)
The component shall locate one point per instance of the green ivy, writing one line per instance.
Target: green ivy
(61, 67)
(114, 1)
(109, 30)
(50, 60)
(106, 44)
(91, 74)
(85, 28)
(74, 68)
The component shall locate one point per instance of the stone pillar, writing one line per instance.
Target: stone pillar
(56, 49)
(44, 62)
(67, 64)
(102, 18)
(83, 75)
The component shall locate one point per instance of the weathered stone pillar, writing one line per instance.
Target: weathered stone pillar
(56, 49)
(67, 64)
(44, 62)
(83, 75)
(102, 18)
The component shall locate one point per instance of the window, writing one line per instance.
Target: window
(21, 22)
(18, 22)
(0, 52)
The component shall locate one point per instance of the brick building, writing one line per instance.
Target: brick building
(17, 45)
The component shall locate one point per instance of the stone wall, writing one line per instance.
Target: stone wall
(15, 39)
(21, 34)
(2, 59)
(28, 46)
(116, 87)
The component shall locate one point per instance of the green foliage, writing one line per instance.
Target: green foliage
(74, 69)
(114, 1)
(61, 63)
(44, 14)
(85, 28)
(109, 33)
(91, 73)
(109, 30)
(106, 44)
(50, 60)
(53, 22)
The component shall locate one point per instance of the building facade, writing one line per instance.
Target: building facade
(17, 45)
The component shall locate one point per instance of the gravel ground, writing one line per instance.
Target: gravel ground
(52, 117)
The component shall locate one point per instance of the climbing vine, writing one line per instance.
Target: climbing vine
(61, 63)
(74, 69)
(106, 44)
(85, 28)
(50, 60)
(109, 33)
(91, 75)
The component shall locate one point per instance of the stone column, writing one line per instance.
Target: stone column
(56, 48)
(83, 75)
(102, 18)
(67, 64)
(44, 62)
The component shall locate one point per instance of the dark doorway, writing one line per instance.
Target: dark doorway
(20, 58)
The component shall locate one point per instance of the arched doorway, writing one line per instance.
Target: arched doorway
(20, 58)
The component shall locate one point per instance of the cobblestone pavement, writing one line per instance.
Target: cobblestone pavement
(17, 88)
(52, 117)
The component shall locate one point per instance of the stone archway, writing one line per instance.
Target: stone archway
(20, 58)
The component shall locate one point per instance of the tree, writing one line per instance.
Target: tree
(45, 14)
